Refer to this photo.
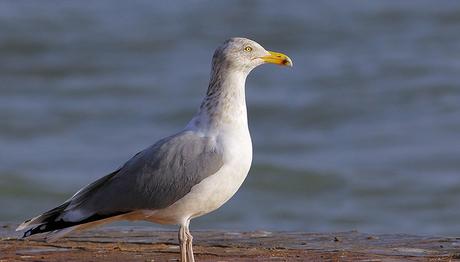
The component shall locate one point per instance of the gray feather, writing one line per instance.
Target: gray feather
(154, 178)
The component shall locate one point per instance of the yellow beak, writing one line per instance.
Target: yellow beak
(277, 58)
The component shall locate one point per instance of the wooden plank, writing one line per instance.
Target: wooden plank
(145, 244)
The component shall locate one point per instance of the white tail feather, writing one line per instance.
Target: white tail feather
(28, 223)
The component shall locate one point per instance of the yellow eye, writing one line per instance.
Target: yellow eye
(248, 49)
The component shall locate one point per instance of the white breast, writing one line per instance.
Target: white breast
(223, 117)
(215, 190)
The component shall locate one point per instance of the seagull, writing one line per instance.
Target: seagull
(180, 177)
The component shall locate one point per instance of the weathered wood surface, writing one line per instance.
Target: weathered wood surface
(144, 244)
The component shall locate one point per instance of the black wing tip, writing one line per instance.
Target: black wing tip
(43, 228)
(26, 234)
(61, 224)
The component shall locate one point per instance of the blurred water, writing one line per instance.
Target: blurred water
(363, 133)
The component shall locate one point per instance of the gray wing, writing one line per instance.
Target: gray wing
(153, 179)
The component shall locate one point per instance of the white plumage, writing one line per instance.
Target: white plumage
(183, 176)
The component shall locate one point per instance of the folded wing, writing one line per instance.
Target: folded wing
(153, 179)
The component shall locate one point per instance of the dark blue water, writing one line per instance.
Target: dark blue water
(363, 133)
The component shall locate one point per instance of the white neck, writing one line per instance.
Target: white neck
(224, 104)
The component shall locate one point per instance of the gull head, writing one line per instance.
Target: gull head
(243, 55)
